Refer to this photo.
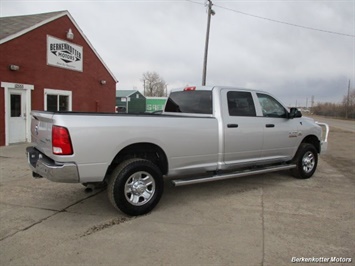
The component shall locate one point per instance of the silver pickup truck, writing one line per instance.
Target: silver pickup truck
(204, 134)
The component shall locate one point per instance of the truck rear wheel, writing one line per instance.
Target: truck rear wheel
(135, 186)
(306, 161)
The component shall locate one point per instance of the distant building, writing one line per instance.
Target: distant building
(130, 101)
(47, 63)
(154, 104)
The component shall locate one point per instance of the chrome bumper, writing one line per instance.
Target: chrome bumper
(325, 133)
(42, 166)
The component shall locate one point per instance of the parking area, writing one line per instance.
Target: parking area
(271, 219)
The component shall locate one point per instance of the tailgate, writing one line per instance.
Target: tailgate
(41, 131)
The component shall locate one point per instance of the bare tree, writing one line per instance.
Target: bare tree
(153, 84)
(345, 109)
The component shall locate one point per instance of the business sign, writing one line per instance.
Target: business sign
(61, 53)
(155, 103)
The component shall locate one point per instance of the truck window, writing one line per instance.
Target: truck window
(240, 103)
(197, 102)
(271, 107)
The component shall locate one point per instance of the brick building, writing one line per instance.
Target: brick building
(47, 63)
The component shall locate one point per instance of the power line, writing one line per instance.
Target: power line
(277, 21)
(199, 3)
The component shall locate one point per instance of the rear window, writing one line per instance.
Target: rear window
(197, 102)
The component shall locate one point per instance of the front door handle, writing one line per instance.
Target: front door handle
(270, 125)
(232, 125)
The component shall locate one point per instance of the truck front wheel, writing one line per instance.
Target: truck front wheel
(306, 161)
(135, 186)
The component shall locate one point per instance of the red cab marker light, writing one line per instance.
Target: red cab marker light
(190, 88)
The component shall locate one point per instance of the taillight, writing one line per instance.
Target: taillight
(61, 142)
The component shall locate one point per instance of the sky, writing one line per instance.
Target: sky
(295, 50)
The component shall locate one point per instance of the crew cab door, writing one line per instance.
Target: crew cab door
(281, 135)
(242, 129)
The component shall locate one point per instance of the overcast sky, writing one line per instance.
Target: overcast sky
(168, 37)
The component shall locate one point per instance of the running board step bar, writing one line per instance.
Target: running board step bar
(184, 182)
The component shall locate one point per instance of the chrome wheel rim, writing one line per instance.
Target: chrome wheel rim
(139, 188)
(308, 162)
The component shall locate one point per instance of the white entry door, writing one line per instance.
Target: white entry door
(17, 116)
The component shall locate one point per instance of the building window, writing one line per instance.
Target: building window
(57, 100)
(15, 105)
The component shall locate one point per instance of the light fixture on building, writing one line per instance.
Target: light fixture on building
(70, 35)
(102, 82)
(14, 67)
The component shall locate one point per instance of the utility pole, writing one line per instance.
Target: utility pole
(347, 102)
(210, 12)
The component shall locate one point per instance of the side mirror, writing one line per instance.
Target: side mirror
(294, 113)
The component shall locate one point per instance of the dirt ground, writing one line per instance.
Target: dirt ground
(341, 152)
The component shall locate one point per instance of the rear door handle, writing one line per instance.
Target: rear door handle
(232, 125)
(270, 125)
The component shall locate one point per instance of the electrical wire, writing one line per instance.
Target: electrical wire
(277, 21)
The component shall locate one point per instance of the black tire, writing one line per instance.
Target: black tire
(135, 186)
(306, 161)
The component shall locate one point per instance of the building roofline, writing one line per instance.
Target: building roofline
(129, 92)
(63, 13)
(30, 28)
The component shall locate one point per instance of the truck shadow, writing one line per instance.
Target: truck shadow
(237, 191)
(231, 190)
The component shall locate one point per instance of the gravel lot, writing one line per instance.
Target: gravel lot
(270, 219)
(341, 148)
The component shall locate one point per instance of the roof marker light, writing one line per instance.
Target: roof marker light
(192, 88)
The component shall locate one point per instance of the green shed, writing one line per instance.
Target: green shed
(130, 101)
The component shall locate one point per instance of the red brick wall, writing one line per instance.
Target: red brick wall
(29, 53)
(2, 117)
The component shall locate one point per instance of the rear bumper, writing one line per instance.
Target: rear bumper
(42, 166)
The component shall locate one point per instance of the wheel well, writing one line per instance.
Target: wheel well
(312, 140)
(146, 151)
